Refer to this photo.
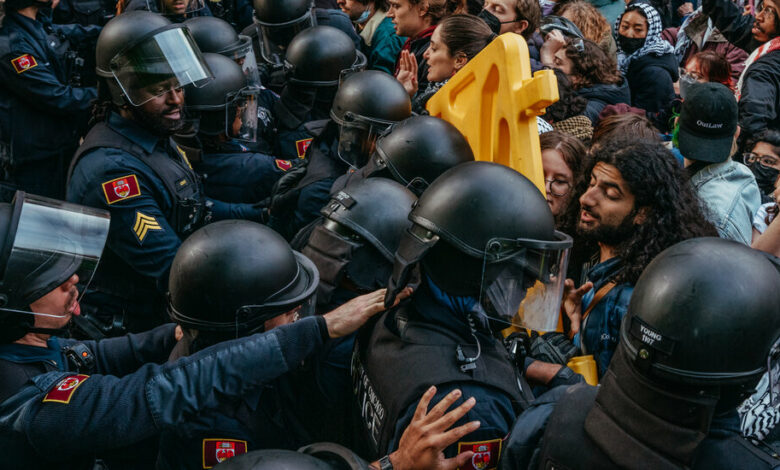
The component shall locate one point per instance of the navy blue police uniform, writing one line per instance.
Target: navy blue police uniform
(65, 419)
(155, 199)
(42, 115)
(84, 12)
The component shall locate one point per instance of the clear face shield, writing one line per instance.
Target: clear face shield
(522, 281)
(357, 135)
(241, 114)
(54, 240)
(244, 55)
(159, 63)
(277, 36)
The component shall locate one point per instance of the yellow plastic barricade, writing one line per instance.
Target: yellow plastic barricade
(494, 102)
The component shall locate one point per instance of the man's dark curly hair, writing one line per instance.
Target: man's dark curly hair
(673, 212)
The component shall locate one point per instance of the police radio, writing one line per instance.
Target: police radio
(80, 358)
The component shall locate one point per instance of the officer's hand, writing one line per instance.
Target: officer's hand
(355, 313)
(423, 442)
(572, 303)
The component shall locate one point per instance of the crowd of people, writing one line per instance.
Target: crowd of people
(232, 236)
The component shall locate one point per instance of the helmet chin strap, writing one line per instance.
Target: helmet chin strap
(48, 331)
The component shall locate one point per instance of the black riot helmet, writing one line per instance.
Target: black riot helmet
(278, 22)
(225, 104)
(43, 242)
(417, 150)
(218, 36)
(233, 275)
(705, 312)
(485, 231)
(142, 55)
(361, 231)
(319, 456)
(365, 104)
(321, 55)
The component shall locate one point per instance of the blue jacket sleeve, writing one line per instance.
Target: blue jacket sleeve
(110, 412)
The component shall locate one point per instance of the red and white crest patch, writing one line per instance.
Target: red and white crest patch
(301, 146)
(24, 63)
(122, 188)
(486, 454)
(283, 165)
(219, 450)
(63, 390)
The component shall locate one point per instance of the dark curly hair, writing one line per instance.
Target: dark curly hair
(673, 212)
(569, 103)
(591, 65)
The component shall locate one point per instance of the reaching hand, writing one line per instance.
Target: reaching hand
(572, 303)
(552, 42)
(407, 72)
(355, 313)
(423, 442)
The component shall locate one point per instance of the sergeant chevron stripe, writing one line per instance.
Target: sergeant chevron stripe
(144, 223)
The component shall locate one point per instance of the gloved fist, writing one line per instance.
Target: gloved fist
(554, 348)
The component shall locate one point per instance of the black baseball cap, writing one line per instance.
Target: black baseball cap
(708, 122)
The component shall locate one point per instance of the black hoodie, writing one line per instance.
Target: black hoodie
(651, 79)
(601, 95)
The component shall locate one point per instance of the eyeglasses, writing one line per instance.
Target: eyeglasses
(558, 188)
(765, 10)
(767, 161)
(578, 43)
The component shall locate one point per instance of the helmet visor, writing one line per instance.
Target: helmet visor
(164, 61)
(357, 135)
(54, 240)
(277, 36)
(241, 117)
(360, 65)
(522, 281)
(244, 55)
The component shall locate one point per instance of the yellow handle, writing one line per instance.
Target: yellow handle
(585, 366)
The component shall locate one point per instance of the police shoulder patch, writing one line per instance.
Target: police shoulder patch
(144, 223)
(63, 390)
(24, 63)
(219, 450)
(119, 189)
(486, 454)
(301, 146)
(283, 165)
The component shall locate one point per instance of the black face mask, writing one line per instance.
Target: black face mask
(765, 177)
(493, 23)
(630, 45)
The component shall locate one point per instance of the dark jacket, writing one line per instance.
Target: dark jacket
(651, 80)
(417, 46)
(601, 95)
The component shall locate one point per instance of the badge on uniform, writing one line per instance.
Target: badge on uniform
(219, 450)
(183, 155)
(486, 454)
(283, 165)
(24, 63)
(63, 391)
(119, 189)
(301, 146)
(144, 223)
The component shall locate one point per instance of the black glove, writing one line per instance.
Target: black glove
(283, 196)
(554, 348)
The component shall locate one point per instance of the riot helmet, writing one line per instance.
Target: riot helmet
(705, 312)
(418, 150)
(234, 275)
(278, 22)
(321, 55)
(485, 231)
(44, 243)
(225, 104)
(365, 104)
(218, 36)
(319, 456)
(362, 228)
(142, 55)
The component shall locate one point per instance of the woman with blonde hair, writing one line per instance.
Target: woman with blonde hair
(591, 22)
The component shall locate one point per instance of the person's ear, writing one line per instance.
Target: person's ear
(521, 26)
(423, 8)
(460, 61)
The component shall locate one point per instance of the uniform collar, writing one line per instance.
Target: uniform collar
(25, 354)
(134, 132)
(34, 27)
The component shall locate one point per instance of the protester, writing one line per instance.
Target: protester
(381, 44)
(706, 66)
(516, 16)
(591, 22)
(562, 160)
(567, 114)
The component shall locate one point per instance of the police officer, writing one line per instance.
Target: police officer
(226, 113)
(129, 165)
(414, 152)
(277, 22)
(701, 330)
(223, 287)
(317, 60)
(43, 107)
(62, 403)
(84, 12)
(365, 105)
(483, 239)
